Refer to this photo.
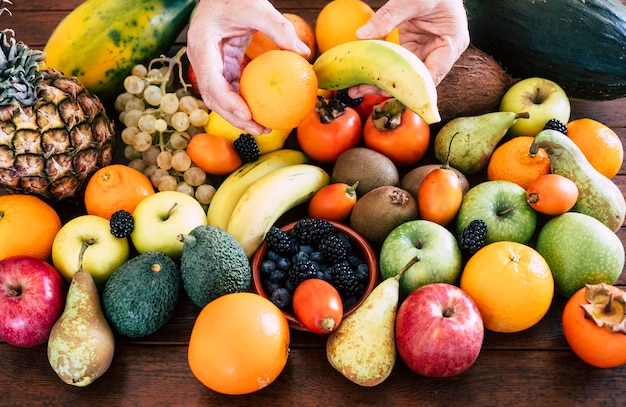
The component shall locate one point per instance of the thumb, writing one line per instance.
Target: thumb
(381, 24)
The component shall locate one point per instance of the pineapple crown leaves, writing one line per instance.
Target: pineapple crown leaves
(19, 71)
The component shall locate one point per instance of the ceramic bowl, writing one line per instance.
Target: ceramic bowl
(360, 247)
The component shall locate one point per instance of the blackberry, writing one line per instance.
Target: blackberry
(247, 148)
(122, 223)
(473, 236)
(345, 280)
(279, 241)
(556, 124)
(301, 271)
(333, 248)
(312, 230)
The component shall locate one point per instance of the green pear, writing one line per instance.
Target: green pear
(598, 196)
(363, 348)
(81, 342)
(477, 138)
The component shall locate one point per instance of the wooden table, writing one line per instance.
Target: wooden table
(534, 367)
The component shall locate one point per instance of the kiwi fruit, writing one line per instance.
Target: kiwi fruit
(412, 180)
(371, 168)
(380, 210)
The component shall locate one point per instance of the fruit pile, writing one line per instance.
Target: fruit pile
(519, 205)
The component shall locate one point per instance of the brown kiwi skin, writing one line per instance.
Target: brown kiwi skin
(371, 168)
(379, 211)
(412, 180)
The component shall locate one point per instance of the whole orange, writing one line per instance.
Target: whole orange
(338, 21)
(116, 187)
(261, 43)
(599, 143)
(239, 343)
(511, 284)
(28, 226)
(512, 161)
(280, 88)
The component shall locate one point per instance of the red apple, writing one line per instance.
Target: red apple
(32, 297)
(439, 330)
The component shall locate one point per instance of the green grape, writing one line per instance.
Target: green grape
(155, 74)
(128, 134)
(137, 164)
(134, 84)
(160, 125)
(131, 154)
(164, 160)
(167, 183)
(150, 170)
(194, 176)
(152, 95)
(135, 104)
(169, 103)
(179, 140)
(139, 70)
(198, 117)
(150, 155)
(147, 123)
(131, 117)
(185, 188)
(156, 176)
(188, 104)
(181, 161)
(204, 193)
(180, 121)
(142, 141)
(121, 100)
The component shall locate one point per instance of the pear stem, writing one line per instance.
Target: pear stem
(407, 266)
(446, 165)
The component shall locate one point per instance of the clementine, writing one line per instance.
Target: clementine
(28, 226)
(115, 187)
(512, 161)
(280, 87)
(599, 143)
(511, 284)
(338, 21)
(239, 343)
(261, 43)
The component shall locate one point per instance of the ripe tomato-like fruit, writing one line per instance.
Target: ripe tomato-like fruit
(333, 202)
(329, 130)
(318, 306)
(439, 196)
(552, 194)
(397, 132)
(589, 307)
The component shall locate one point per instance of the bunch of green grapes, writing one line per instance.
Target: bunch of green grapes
(159, 120)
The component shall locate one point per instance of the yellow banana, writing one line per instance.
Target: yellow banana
(233, 187)
(384, 64)
(269, 198)
(269, 142)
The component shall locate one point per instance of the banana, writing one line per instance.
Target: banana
(233, 187)
(269, 198)
(384, 64)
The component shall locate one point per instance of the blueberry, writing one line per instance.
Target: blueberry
(278, 277)
(317, 257)
(283, 264)
(300, 256)
(272, 255)
(281, 297)
(267, 267)
(307, 248)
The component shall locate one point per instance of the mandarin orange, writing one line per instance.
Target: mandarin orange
(599, 143)
(512, 161)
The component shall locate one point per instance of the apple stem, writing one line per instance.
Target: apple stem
(84, 247)
(15, 291)
(522, 115)
(508, 209)
(449, 311)
(169, 213)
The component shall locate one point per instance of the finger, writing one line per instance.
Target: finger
(382, 22)
(280, 30)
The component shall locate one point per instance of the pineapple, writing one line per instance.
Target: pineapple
(53, 133)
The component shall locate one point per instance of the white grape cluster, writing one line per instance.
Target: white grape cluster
(159, 120)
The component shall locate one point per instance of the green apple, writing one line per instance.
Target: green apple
(86, 242)
(580, 250)
(503, 207)
(543, 99)
(161, 217)
(429, 249)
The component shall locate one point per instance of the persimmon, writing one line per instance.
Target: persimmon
(594, 325)
(552, 194)
(333, 201)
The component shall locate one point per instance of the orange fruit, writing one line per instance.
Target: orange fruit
(511, 284)
(280, 87)
(511, 161)
(28, 226)
(599, 144)
(239, 343)
(338, 21)
(213, 154)
(261, 43)
(116, 187)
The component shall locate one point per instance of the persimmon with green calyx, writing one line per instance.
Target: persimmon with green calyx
(333, 202)
(594, 325)
(440, 194)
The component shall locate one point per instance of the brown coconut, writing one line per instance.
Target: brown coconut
(475, 85)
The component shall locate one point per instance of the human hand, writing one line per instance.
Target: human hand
(434, 30)
(218, 36)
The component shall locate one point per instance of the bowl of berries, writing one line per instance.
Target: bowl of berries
(314, 248)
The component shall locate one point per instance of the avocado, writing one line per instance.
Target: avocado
(141, 294)
(213, 264)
